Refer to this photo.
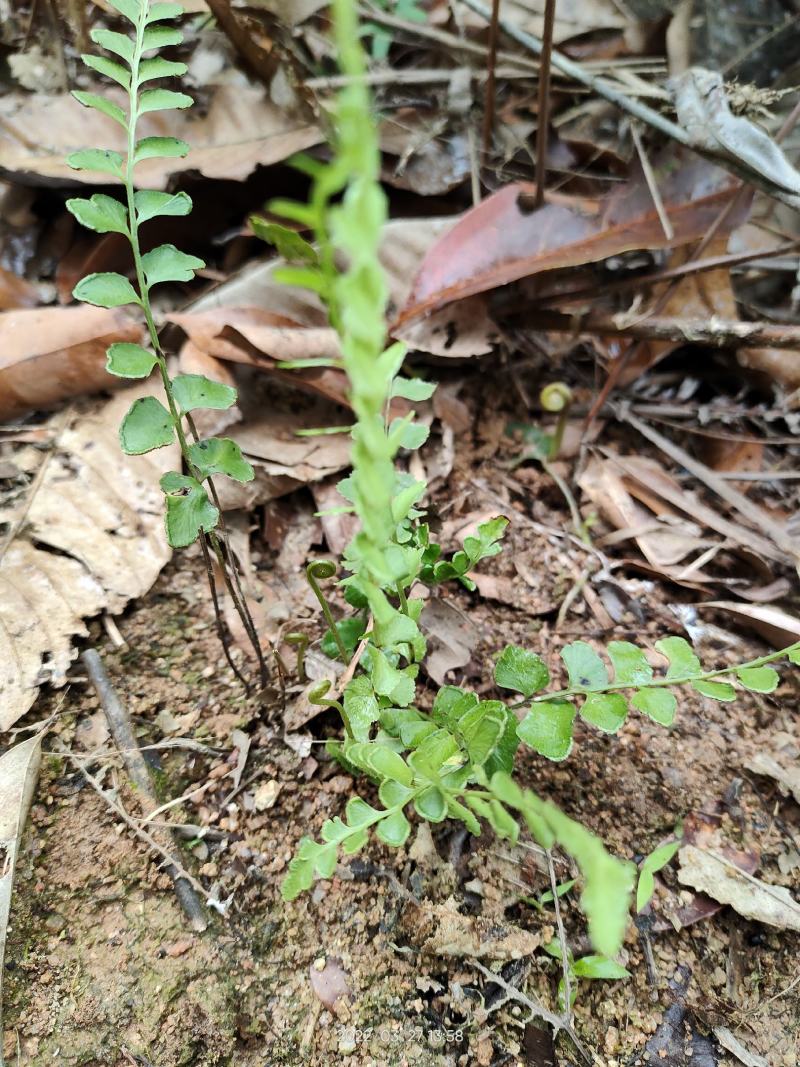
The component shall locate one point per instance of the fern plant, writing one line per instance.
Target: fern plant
(455, 761)
(192, 510)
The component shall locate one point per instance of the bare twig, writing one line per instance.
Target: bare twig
(124, 738)
(719, 333)
(172, 865)
(413, 76)
(543, 109)
(491, 86)
(537, 1011)
(652, 184)
(695, 266)
(562, 938)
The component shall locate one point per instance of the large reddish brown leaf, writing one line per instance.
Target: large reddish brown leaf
(49, 354)
(503, 239)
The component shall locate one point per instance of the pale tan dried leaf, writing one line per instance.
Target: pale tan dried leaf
(240, 130)
(272, 444)
(780, 364)
(270, 334)
(753, 899)
(98, 517)
(50, 354)
(338, 528)
(19, 770)
(773, 624)
(655, 481)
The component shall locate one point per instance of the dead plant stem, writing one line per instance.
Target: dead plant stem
(543, 109)
(491, 83)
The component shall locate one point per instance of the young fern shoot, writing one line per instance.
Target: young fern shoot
(192, 505)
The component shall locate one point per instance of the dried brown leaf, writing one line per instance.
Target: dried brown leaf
(90, 538)
(505, 239)
(753, 899)
(19, 770)
(15, 292)
(240, 130)
(662, 544)
(451, 638)
(50, 354)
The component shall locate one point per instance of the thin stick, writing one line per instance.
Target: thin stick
(124, 738)
(695, 266)
(715, 332)
(222, 630)
(558, 1022)
(562, 938)
(543, 120)
(652, 185)
(491, 87)
(173, 867)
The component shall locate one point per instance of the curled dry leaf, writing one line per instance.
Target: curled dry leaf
(504, 239)
(704, 112)
(259, 338)
(750, 897)
(787, 777)
(240, 130)
(19, 770)
(50, 354)
(772, 623)
(650, 481)
(90, 538)
(338, 527)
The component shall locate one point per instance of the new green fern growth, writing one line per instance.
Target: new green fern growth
(191, 505)
(456, 760)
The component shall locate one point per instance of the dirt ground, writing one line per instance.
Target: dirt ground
(103, 968)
